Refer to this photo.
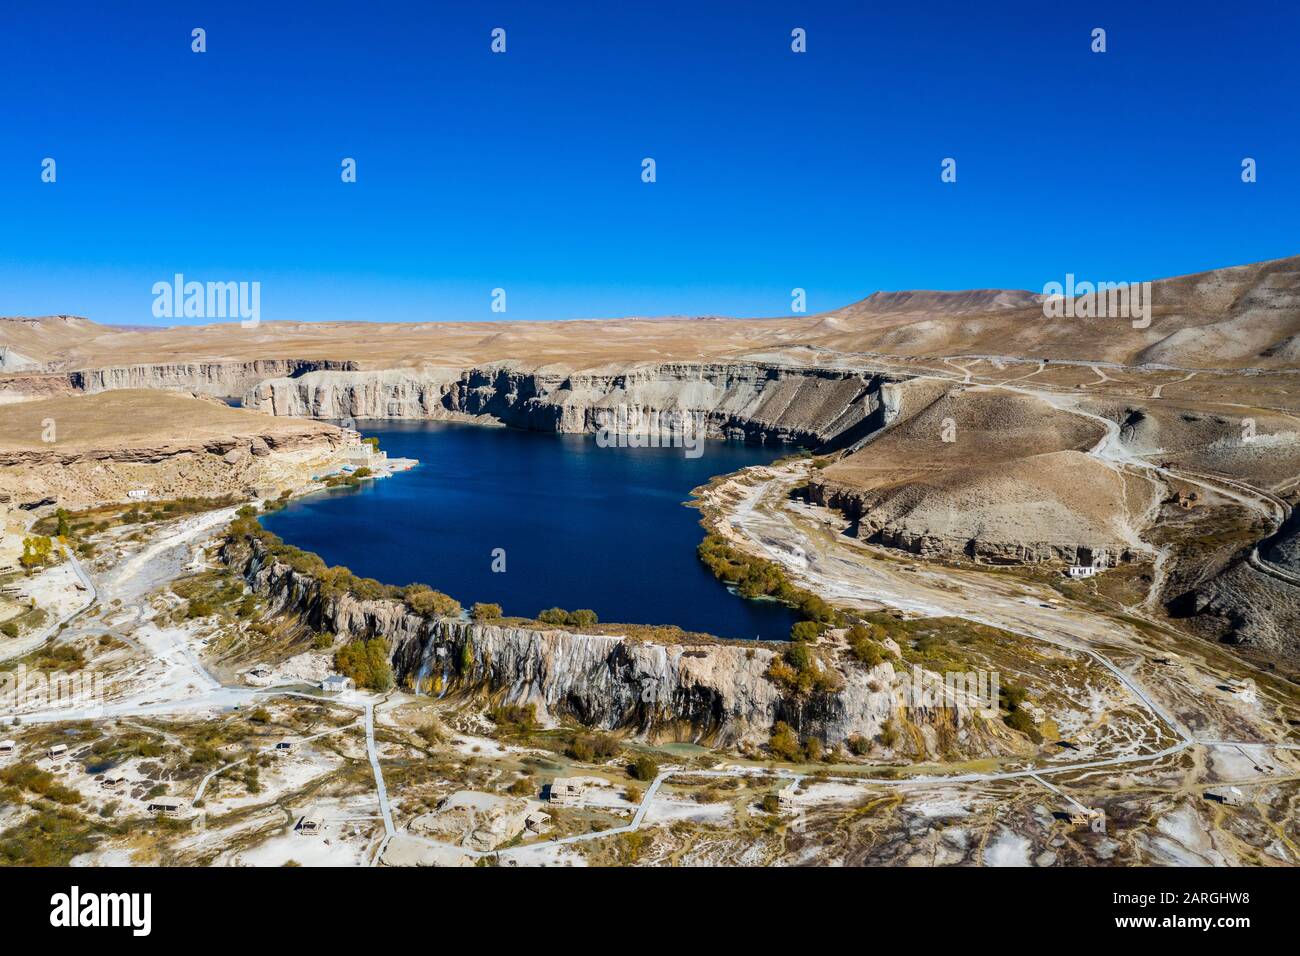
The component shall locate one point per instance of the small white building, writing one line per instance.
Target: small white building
(568, 792)
(164, 806)
(537, 822)
(114, 784)
(138, 494)
(337, 684)
(1094, 818)
(785, 798)
(1229, 796)
(1083, 570)
(57, 751)
(7, 747)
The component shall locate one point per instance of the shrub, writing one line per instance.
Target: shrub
(50, 838)
(554, 615)
(784, 743)
(644, 768)
(582, 618)
(431, 733)
(516, 718)
(590, 748)
(771, 803)
(798, 671)
(9, 629)
(1020, 720)
(485, 612)
(200, 608)
(423, 599)
(805, 631)
(864, 644)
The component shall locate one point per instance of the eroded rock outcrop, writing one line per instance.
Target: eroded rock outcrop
(712, 692)
(746, 400)
(219, 379)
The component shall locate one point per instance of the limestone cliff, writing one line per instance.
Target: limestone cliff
(753, 401)
(219, 379)
(713, 692)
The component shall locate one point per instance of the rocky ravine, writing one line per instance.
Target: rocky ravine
(714, 693)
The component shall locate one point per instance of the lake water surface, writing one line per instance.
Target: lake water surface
(581, 526)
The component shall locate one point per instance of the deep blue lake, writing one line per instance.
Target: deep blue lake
(582, 526)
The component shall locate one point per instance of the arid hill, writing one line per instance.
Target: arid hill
(1238, 317)
(86, 449)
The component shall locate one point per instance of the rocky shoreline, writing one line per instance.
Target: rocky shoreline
(715, 693)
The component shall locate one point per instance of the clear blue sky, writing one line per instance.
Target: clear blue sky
(522, 170)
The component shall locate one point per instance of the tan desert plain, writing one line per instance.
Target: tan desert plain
(1047, 569)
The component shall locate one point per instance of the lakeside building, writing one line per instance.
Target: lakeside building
(164, 806)
(311, 824)
(568, 792)
(337, 684)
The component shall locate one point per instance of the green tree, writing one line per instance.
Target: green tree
(644, 768)
(366, 662)
(582, 618)
(37, 552)
(784, 743)
(554, 615)
(805, 631)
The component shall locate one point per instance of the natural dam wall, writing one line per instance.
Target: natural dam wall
(753, 401)
(217, 379)
(713, 692)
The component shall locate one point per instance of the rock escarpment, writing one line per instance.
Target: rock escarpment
(752, 401)
(715, 693)
(218, 379)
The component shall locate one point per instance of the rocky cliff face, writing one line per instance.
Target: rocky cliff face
(714, 693)
(937, 542)
(218, 379)
(748, 400)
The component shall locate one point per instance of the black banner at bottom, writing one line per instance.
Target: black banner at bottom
(148, 907)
